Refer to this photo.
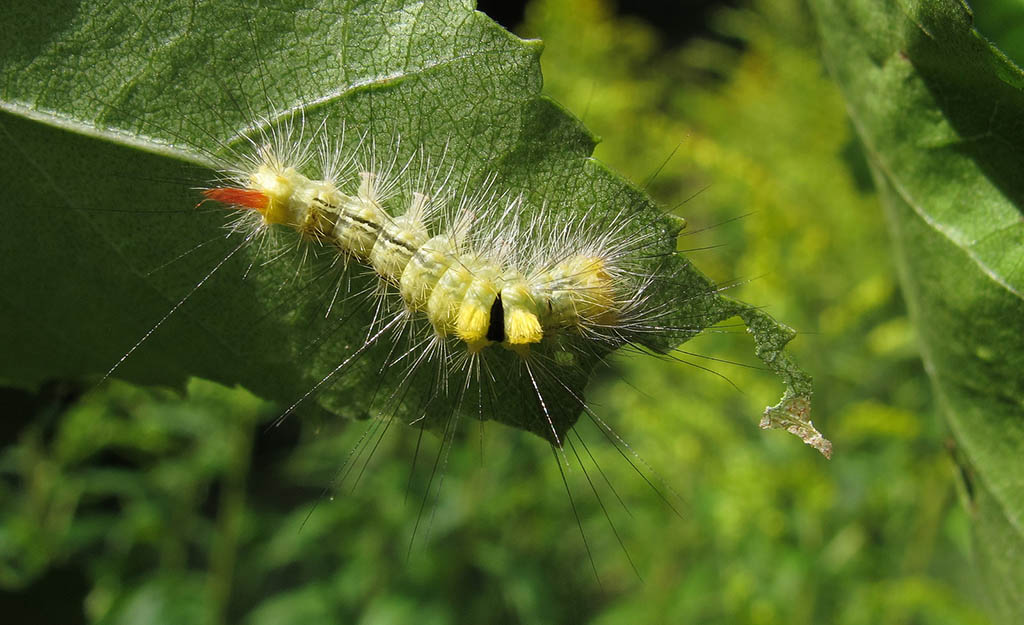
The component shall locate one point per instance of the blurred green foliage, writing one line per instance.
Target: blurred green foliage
(168, 509)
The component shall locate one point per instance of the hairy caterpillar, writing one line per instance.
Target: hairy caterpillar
(481, 276)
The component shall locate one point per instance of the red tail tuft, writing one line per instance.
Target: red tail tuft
(246, 198)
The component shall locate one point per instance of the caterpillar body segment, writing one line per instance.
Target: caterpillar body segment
(443, 304)
(473, 323)
(469, 282)
(575, 291)
(521, 313)
(398, 239)
(424, 270)
(357, 221)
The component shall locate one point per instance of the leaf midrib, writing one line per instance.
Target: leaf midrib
(908, 198)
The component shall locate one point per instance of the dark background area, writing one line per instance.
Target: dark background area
(675, 22)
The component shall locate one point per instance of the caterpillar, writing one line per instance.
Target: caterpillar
(462, 291)
(482, 276)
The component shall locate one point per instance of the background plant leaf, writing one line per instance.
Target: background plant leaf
(107, 109)
(938, 110)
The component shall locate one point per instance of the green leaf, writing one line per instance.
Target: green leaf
(109, 108)
(938, 110)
